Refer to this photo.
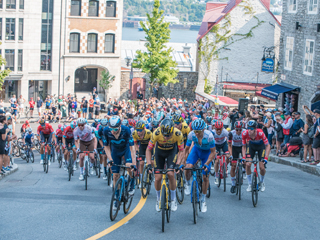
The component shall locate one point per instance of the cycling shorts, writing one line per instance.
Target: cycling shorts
(160, 157)
(87, 146)
(253, 148)
(117, 155)
(222, 147)
(197, 153)
(59, 139)
(142, 150)
(70, 141)
(45, 137)
(236, 151)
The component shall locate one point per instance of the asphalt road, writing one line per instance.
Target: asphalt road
(35, 205)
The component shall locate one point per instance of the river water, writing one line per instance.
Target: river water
(177, 35)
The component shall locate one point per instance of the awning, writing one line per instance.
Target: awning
(315, 105)
(273, 91)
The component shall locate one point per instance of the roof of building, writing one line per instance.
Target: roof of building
(245, 86)
(226, 100)
(186, 62)
(216, 11)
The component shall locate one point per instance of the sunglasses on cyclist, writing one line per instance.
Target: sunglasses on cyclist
(197, 131)
(139, 130)
(251, 128)
(114, 129)
(238, 129)
(80, 125)
(177, 123)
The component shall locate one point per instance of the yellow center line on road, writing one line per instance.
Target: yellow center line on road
(122, 221)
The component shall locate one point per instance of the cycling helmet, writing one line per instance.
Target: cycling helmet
(104, 122)
(131, 123)
(209, 119)
(115, 122)
(59, 126)
(73, 124)
(81, 121)
(42, 122)
(27, 122)
(155, 123)
(177, 118)
(218, 125)
(238, 124)
(29, 129)
(125, 122)
(252, 123)
(96, 120)
(213, 122)
(198, 124)
(167, 127)
(140, 125)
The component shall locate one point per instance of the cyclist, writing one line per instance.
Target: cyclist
(28, 137)
(154, 125)
(165, 138)
(141, 137)
(59, 134)
(204, 148)
(95, 123)
(119, 143)
(180, 124)
(220, 136)
(24, 127)
(45, 134)
(257, 141)
(235, 148)
(103, 156)
(84, 138)
(68, 139)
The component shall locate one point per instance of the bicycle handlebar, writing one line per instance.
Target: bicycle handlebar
(121, 166)
(86, 152)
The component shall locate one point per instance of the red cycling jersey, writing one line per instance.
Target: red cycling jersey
(59, 133)
(45, 130)
(258, 140)
(25, 126)
(68, 132)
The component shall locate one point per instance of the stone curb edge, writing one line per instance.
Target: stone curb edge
(15, 168)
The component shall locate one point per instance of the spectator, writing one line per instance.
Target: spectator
(97, 108)
(155, 91)
(1, 104)
(48, 102)
(225, 120)
(84, 106)
(60, 102)
(268, 124)
(297, 126)
(316, 139)
(59, 116)
(15, 110)
(21, 102)
(286, 125)
(69, 102)
(12, 100)
(74, 104)
(31, 106)
(234, 116)
(73, 116)
(91, 105)
(307, 138)
(3, 137)
(279, 132)
(241, 115)
(94, 93)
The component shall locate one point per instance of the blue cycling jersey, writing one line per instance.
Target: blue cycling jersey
(125, 138)
(28, 137)
(207, 140)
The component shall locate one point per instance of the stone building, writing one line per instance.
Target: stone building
(60, 47)
(299, 71)
(253, 28)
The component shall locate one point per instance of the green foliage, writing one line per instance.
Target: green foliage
(4, 73)
(156, 61)
(207, 86)
(106, 80)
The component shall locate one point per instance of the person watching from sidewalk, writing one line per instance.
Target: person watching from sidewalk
(31, 106)
(297, 126)
(307, 138)
(316, 139)
(286, 125)
(39, 106)
(279, 132)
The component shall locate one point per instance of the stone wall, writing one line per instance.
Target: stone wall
(296, 76)
(184, 88)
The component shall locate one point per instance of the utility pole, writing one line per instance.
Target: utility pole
(217, 89)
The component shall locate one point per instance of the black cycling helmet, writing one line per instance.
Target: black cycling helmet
(140, 125)
(252, 123)
(177, 118)
(167, 127)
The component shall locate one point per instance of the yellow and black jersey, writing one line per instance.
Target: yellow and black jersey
(185, 130)
(144, 140)
(157, 137)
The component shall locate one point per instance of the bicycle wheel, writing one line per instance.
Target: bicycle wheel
(208, 191)
(163, 206)
(145, 182)
(115, 201)
(254, 189)
(99, 168)
(44, 163)
(31, 156)
(86, 171)
(27, 156)
(70, 168)
(53, 155)
(168, 210)
(219, 176)
(109, 176)
(151, 177)
(194, 202)
(128, 198)
(180, 188)
(224, 177)
(240, 176)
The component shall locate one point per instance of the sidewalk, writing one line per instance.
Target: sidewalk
(14, 169)
(295, 162)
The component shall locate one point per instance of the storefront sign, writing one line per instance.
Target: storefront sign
(267, 65)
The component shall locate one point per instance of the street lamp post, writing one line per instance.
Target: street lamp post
(128, 61)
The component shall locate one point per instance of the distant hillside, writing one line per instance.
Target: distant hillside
(185, 10)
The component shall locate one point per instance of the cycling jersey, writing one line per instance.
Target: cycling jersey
(68, 132)
(144, 140)
(46, 130)
(124, 139)
(24, 127)
(222, 138)
(185, 130)
(28, 137)
(235, 139)
(59, 133)
(164, 144)
(86, 135)
(258, 140)
(207, 140)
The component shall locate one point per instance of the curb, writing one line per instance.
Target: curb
(302, 166)
(14, 169)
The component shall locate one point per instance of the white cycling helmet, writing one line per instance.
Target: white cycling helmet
(81, 121)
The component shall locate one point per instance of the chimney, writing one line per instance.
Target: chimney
(186, 49)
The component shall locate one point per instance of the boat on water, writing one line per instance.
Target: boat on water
(140, 29)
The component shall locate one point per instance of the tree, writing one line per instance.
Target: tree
(156, 61)
(106, 80)
(4, 73)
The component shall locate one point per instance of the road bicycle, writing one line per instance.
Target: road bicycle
(239, 177)
(29, 153)
(222, 170)
(121, 193)
(165, 197)
(60, 154)
(97, 163)
(86, 168)
(27, 111)
(70, 162)
(109, 177)
(147, 179)
(180, 180)
(45, 158)
(139, 159)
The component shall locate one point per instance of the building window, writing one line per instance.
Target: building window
(20, 28)
(46, 35)
(21, 4)
(109, 43)
(312, 6)
(289, 54)
(20, 59)
(75, 7)
(185, 83)
(292, 6)
(93, 8)
(308, 57)
(75, 42)
(0, 3)
(11, 4)
(10, 28)
(0, 28)
(9, 56)
(111, 9)
(92, 42)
